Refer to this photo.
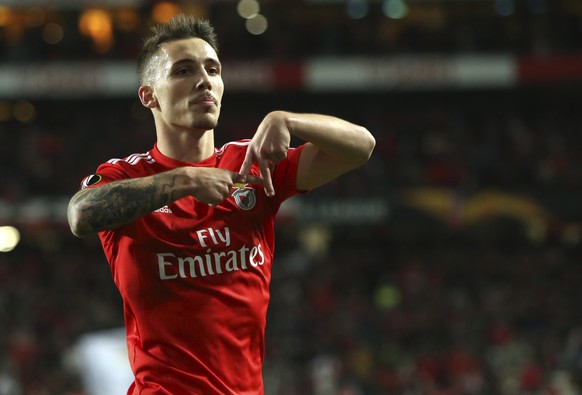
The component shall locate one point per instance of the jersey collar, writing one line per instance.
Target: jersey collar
(173, 163)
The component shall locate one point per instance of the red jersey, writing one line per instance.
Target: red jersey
(194, 279)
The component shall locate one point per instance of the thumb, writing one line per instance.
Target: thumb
(247, 178)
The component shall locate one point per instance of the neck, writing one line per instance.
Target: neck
(187, 146)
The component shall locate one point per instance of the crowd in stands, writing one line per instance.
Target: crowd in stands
(514, 141)
(370, 310)
(357, 309)
(296, 30)
(429, 317)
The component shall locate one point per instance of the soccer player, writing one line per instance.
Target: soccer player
(188, 229)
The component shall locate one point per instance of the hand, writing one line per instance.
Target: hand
(268, 147)
(213, 185)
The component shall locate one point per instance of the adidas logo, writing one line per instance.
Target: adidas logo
(164, 209)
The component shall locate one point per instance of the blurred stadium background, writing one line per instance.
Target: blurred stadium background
(449, 265)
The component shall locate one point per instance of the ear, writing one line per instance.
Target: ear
(146, 96)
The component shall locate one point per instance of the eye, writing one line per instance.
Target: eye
(182, 71)
(213, 70)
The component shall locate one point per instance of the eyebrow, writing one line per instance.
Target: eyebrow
(190, 60)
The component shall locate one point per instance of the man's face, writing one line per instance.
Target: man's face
(188, 86)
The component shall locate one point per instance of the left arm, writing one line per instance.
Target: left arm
(334, 146)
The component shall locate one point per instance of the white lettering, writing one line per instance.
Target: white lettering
(209, 262)
(217, 256)
(260, 248)
(254, 252)
(225, 238)
(252, 257)
(171, 267)
(181, 265)
(231, 264)
(162, 267)
(202, 236)
(243, 257)
(211, 231)
(191, 265)
(218, 236)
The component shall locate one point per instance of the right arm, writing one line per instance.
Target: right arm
(121, 202)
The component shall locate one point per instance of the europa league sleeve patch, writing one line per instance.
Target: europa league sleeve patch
(91, 180)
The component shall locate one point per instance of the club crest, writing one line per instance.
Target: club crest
(244, 196)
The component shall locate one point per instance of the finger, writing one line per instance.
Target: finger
(266, 177)
(247, 179)
(279, 157)
(251, 179)
(245, 168)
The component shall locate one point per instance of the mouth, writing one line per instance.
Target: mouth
(205, 100)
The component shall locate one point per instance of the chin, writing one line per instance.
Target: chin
(205, 120)
(205, 123)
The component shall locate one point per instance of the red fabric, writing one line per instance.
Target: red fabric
(195, 279)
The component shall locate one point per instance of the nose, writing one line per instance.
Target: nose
(203, 81)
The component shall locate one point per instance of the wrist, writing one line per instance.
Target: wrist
(186, 180)
(287, 121)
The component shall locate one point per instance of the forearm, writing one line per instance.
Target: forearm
(336, 137)
(118, 203)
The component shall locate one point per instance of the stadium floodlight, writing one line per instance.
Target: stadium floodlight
(9, 238)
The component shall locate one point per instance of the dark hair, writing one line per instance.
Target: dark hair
(179, 27)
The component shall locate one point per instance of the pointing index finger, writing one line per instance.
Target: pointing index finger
(245, 168)
(266, 177)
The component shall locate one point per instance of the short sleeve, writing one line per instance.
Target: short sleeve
(285, 175)
(104, 174)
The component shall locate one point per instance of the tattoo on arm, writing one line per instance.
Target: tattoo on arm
(122, 202)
